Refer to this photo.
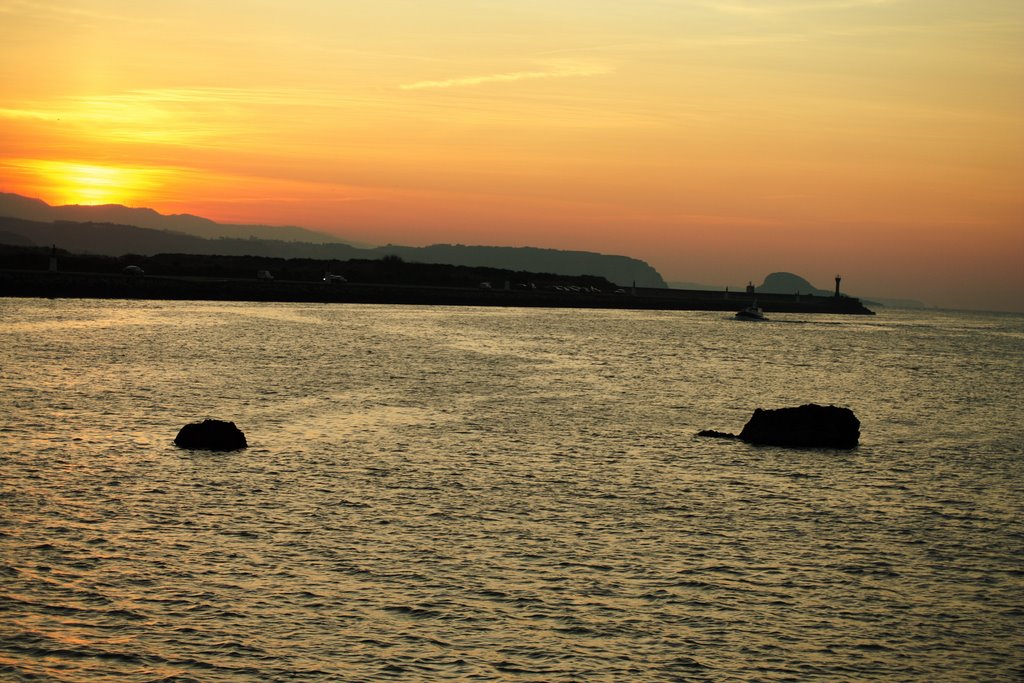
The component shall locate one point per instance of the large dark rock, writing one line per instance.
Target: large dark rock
(809, 426)
(211, 435)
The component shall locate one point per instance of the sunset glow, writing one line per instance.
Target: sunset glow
(717, 140)
(61, 182)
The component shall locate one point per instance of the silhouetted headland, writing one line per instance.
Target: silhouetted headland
(189, 235)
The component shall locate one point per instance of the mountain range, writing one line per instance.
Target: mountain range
(32, 209)
(115, 230)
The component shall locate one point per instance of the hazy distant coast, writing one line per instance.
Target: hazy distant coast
(113, 230)
(187, 257)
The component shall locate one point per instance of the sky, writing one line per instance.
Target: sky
(718, 140)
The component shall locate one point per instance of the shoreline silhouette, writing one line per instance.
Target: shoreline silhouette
(132, 285)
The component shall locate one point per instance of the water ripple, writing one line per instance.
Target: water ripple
(465, 494)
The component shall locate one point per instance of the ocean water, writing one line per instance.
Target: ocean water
(474, 494)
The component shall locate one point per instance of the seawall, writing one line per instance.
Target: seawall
(45, 284)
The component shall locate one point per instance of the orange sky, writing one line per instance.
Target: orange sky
(719, 140)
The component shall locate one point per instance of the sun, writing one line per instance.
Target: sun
(68, 182)
(88, 184)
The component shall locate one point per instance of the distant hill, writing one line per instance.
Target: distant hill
(788, 283)
(15, 239)
(17, 206)
(774, 283)
(115, 240)
(622, 270)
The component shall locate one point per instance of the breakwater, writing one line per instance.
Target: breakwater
(46, 284)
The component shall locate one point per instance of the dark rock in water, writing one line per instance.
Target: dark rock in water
(211, 435)
(716, 435)
(809, 426)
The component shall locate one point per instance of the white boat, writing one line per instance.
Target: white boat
(751, 312)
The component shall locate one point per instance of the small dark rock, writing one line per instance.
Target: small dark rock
(716, 435)
(809, 426)
(211, 435)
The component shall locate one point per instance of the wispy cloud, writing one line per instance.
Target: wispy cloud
(13, 113)
(66, 12)
(128, 105)
(761, 7)
(559, 72)
(218, 96)
(174, 115)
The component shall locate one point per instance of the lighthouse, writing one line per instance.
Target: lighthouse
(837, 285)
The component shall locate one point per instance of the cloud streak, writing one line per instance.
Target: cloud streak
(764, 8)
(56, 11)
(172, 115)
(468, 81)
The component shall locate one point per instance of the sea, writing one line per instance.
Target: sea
(505, 494)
